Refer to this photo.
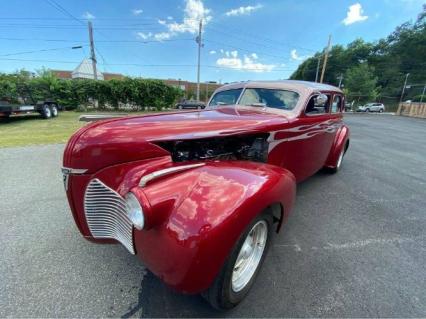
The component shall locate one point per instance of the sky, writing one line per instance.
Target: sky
(242, 39)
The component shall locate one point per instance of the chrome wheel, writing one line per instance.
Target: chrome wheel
(54, 111)
(47, 112)
(249, 256)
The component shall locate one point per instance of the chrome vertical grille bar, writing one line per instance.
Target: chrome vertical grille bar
(106, 216)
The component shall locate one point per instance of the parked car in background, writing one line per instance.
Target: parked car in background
(190, 104)
(371, 107)
(198, 195)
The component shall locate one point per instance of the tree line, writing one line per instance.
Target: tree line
(376, 71)
(129, 93)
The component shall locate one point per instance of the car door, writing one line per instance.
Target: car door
(310, 138)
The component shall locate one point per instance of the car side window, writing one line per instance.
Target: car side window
(336, 106)
(316, 106)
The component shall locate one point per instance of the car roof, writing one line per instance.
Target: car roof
(295, 85)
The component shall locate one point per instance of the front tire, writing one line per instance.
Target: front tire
(242, 266)
(367, 110)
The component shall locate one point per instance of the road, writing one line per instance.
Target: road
(355, 245)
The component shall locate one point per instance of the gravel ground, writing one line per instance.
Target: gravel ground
(355, 245)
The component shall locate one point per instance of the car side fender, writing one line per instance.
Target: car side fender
(341, 140)
(199, 215)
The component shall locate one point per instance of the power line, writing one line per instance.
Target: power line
(41, 50)
(98, 41)
(144, 65)
(58, 7)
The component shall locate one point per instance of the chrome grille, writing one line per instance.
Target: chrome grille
(106, 214)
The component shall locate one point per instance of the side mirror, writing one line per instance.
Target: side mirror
(321, 100)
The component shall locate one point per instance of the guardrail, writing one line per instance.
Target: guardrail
(413, 109)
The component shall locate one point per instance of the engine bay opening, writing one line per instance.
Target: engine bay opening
(247, 147)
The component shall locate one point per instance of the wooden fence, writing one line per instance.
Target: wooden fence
(414, 109)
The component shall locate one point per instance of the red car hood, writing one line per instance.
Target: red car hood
(184, 125)
(127, 139)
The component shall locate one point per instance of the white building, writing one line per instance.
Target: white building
(85, 71)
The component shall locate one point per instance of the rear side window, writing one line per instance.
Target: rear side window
(225, 97)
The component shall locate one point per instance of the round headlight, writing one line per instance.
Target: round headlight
(134, 211)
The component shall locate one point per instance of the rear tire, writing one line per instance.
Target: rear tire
(240, 270)
(54, 110)
(367, 110)
(334, 170)
(46, 113)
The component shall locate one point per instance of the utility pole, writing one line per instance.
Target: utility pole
(340, 79)
(403, 89)
(199, 42)
(325, 59)
(207, 92)
(318, 65)
(92, 50)
(423, 93)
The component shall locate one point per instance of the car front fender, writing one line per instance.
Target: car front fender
(198, 215)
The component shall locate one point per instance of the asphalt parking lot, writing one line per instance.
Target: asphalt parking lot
(354, 246)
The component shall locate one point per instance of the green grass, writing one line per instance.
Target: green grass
(33, 130)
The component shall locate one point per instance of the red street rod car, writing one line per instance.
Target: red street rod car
(197, 195)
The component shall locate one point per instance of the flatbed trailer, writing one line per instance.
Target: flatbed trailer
(47, 109)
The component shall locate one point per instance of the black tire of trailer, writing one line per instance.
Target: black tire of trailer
(46, 112)
(54, 110)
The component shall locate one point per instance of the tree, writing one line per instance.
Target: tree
(389, 60)
(361, 84)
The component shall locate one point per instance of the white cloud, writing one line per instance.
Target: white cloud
(247, 63)
(88, 16)
(137, 12)
(162, 36)
(354, 14)
(296, 57)
(212, 52)
(144, 36)
(194, 12)
(243, 10)
(221, 51)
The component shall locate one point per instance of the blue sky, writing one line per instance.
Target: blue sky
(244, 39)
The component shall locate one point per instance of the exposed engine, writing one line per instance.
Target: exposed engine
(249, 147)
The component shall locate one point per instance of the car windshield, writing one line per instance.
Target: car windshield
(274, 98)
(225, 97)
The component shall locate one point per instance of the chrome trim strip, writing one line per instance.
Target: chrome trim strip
(106, 214)
(99, 117)
(66, 172)
(147, 178)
